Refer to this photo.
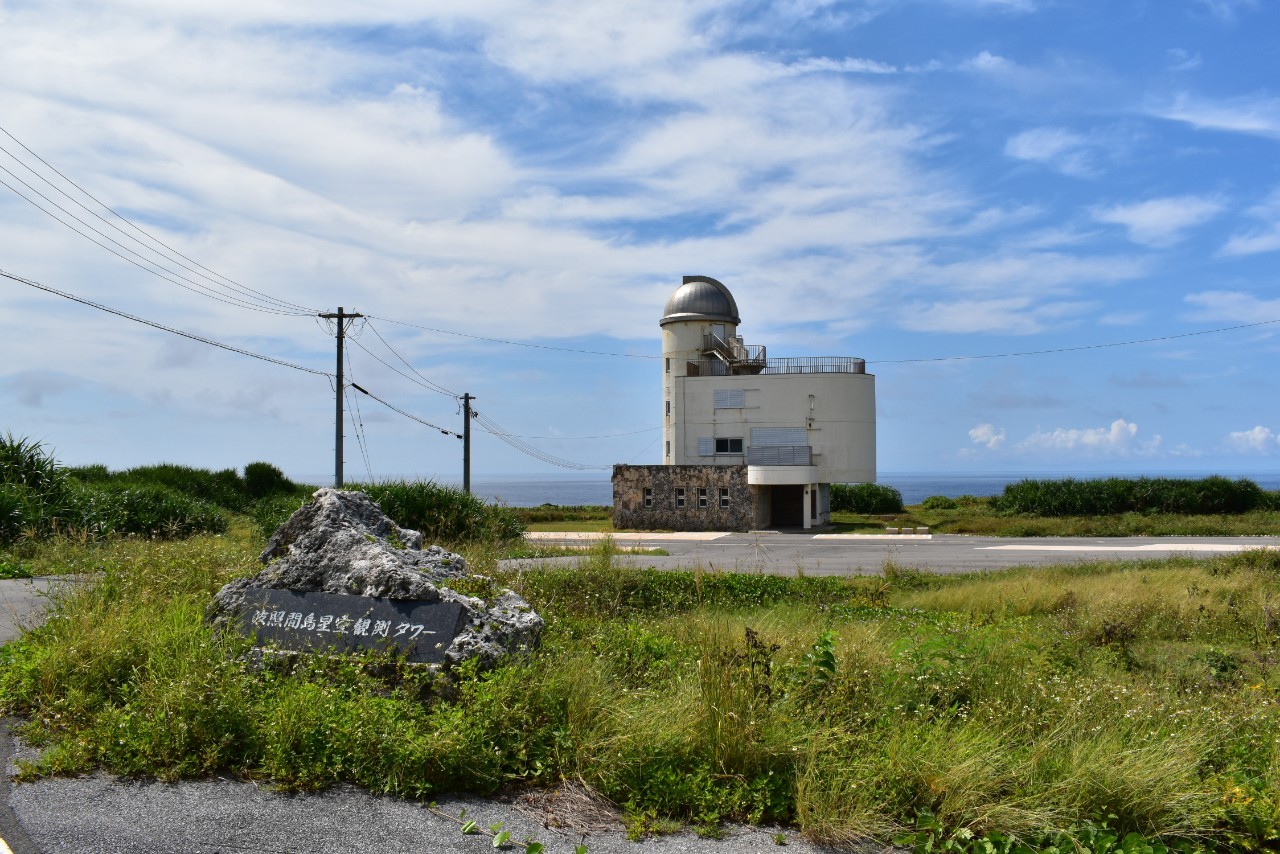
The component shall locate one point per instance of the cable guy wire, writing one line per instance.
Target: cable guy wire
(65, 295)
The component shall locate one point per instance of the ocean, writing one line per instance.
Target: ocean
(533, 490)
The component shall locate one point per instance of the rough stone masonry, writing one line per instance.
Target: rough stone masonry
(342, 543)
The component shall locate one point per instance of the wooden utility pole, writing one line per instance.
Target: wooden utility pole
(340, 318)
(466, 442)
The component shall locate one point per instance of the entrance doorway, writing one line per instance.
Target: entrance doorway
(787, 506)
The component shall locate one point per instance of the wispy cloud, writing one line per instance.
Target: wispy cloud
(1060, 149)
(1258, 115)
(1227, 10)
(1161, 222)
(1182, 60)
(1233, 306)
(1265, 238)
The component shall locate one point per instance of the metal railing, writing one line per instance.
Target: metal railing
(780, 455)
(802, 365)
(816, 365)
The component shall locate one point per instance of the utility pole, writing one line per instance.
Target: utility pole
(466, 442)
(341, 319)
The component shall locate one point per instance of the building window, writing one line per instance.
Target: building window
(724, 498)
(702, 498)
(679, 497)
(668, 409)
(706, 446)
(668, 447)
(668, 364)
(728, 446)
(648, 496)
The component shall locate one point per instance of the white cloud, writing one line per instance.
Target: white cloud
(1258, 115)
(1227, 10)
(1057, 148)
(1161, 222)
(1182, 60)
(1120, 438)
(1263, 239)
(1234, 306)
(988, 436)
(1258, 440)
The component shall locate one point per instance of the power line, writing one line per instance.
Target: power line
(357, 420)
(418, 380)
(1077, 348)
(142, 263)
(492, 428)
(169, 254)
(434, 386)
(161, 326)
(516, 343)
(408, 415)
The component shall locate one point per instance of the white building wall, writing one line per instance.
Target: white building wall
(836, 410)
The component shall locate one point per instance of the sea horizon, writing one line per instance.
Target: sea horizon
(578, 488)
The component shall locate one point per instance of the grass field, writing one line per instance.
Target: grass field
(1094, 700)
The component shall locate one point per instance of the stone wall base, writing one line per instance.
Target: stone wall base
(714, 498)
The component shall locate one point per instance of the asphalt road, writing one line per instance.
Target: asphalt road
(845, 554)
(100, 814)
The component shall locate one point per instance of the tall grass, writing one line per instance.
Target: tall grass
(1143, 695)
(442, 513)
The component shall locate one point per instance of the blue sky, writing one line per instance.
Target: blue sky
(899, 180)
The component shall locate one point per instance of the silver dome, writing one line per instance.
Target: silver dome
(701, 298)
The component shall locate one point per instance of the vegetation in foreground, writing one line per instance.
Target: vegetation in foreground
(1094, 700)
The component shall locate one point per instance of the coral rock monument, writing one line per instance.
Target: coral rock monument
(341, 576)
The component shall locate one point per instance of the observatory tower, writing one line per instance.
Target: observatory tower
(748, 441)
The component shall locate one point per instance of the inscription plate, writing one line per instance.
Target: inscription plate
(331, 622)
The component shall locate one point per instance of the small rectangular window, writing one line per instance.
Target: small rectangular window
(724, 498)
(668, 447)
(702, 498)
(668, 408)
(679, 496)
(728, 446)
(648, 497)
(706, 446)
(668, 365)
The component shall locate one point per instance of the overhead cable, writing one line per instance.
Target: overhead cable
(153, 324)
(429, 383)
(256, 298)
(418, 380)
(516, 343)
(408, 415)
(142, 263)
(492, 428)
(1076, 349)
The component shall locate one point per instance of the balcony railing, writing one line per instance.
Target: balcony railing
(780, 455)
(816, 365)
(803, 365)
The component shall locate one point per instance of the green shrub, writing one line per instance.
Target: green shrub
(224, 488)
(939, 502)
(873, 498)
(442, 513)
(1113, 496)
(145, 509)
(263, 479)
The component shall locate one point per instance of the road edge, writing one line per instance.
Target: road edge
(11, 830)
